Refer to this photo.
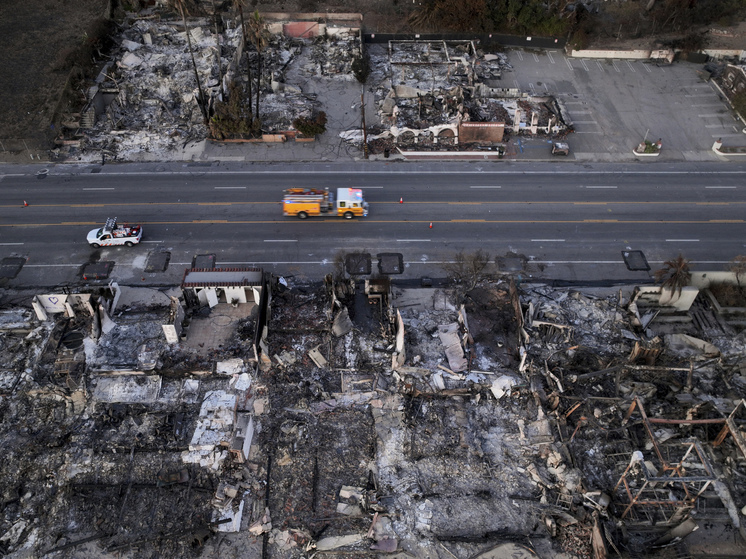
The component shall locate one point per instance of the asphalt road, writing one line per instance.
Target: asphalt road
(564, 223)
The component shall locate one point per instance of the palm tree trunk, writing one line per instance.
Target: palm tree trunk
(217, 41)
(258, 81)
(201, 99)
(248, 59)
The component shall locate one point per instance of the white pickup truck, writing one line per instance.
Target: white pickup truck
(113, 234)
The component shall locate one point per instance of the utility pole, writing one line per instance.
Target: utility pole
(365, 129)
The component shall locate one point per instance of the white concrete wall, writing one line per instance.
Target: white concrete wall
(722, 53)
(637, 54)
(704, 280)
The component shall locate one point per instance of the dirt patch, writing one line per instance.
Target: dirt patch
(39, 40)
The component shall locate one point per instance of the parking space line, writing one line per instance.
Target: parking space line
(630, 66)
(546, 88)
(613, 63)
(551, 58)
(713, 126)
(726, 135)
(520, 55)
(709, 116)
(536, 57)
(568, 64)
(584, 66)
(585, 122)
(647, 67)
(531, 87)
(699, 95)
(517, 85)
(598, 63)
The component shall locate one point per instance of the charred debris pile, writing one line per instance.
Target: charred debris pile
(172, 84)
(166, 84)
(361, 418)
(425, 91)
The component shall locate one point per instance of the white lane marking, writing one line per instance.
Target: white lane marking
(584, 65)
(92, 188)
(582, 112)
(714, 126)
(151, 241)
(230, 188)
(412, 240)
(699, 95)
(367, 187)
(630, 66)
(568, 64)
(712, 115)
(551, 59)
(280, 240)
(708, 105)
(726, 135)
(488, 186)
(10, 244)
(585, 122)
(682, 240)
(51, 266)
(720, 187)
(579, 132)
(599, 187)
(547, 240)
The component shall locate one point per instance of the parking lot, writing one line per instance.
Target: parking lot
(614, 104)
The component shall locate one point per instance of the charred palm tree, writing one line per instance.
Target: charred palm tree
(238, 4)
(202, 102)
(738, 267)
(674, 275)
(216, 15)
(259, 37)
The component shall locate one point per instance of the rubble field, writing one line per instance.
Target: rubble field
(358, 418)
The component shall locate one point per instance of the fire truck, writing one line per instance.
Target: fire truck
(305, 202)
(114, 234)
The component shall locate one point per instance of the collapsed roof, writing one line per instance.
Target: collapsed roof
(426, 89)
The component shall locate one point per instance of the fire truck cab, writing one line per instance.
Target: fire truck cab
(307, 202)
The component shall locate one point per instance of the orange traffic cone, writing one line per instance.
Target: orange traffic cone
(401, 200)
(25, 205)
(431, 225)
